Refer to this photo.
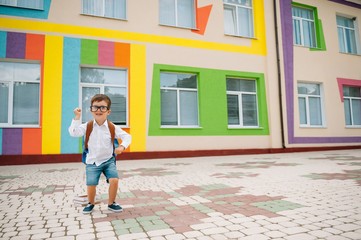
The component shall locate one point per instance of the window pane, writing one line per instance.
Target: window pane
(26, 103)
(346, 104)
(19, 71)
(248, 85)
(115, 9)
(106, 76)
(169, 107)
(118, 97)
(302, 110)
(241, 85)
(315, 111)
(356, 111)
(167, 12)
(245, 25)
(306, 88)
(188, 108)
(185, 13)
(34, 4)
(249, 110)
(6, 71)
(4, 102)
(233, 110)
(341, 40)
(297, 32)
(350, 40)
(87, 94)
(309, 34)
(230, 20)
(93, 7)
(233, 84)
(180, 80)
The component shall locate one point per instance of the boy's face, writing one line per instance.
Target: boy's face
(100, 111)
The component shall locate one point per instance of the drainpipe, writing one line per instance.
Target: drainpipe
(279, 72)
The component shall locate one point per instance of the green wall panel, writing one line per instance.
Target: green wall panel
(89, 52)
(212, 103)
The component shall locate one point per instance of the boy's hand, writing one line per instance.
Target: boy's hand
(77, 113)
(119, 149)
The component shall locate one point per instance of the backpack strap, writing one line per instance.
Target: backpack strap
(89, 129)
(111, 127)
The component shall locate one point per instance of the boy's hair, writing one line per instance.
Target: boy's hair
(101, 97)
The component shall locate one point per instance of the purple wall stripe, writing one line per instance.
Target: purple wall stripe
(11, 141)
(15, 45)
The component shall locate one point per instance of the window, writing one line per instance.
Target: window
(105, 8)
(304, 30)
(346, 35)
(33, 4)
(178, 13)
(238, 18)
(310, 104)
(242, 103)
(112, 82)
(19, 94)
(352, 104)
(179, 99)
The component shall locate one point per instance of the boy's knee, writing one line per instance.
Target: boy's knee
(113, 180)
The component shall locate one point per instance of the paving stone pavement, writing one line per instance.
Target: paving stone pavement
(293, 196)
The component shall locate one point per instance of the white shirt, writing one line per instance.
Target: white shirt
(100, 145)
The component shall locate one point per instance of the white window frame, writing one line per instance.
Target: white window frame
(194, 23)
(356, 33)
(307, 97)
(239, 94)
(103, 11)
(15, 3)
(301, 21)
(352, 125)
(250, 23)
(102, 86)
(10, 121)
(178, 90)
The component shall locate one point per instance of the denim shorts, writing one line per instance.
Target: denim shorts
(93, 172)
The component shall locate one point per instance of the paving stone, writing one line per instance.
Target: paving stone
(277, 196)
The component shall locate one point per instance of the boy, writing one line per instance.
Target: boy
(100, 158)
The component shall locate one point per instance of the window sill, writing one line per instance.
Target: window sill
(26, 8)
(180, 127)
(238, 36)
(172, 26)
(244, 128)
(320, 127)
(353, 127)
(112, 18)
(19, 126)
(351, 54)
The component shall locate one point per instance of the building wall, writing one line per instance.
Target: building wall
(326, 66)
(62, 40)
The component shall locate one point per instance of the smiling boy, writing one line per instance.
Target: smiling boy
(100, 158)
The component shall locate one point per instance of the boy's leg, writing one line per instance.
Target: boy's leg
(91, 193)
(113, 189)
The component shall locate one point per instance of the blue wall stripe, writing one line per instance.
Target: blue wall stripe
(26, 12)
(3, 44)
(70, 93)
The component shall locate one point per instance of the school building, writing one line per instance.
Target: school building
(186, 77)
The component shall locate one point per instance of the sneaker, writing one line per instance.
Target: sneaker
(115, 207)
(88, 209)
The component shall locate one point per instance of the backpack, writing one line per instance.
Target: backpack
(89, 129)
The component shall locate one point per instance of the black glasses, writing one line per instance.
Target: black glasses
(96, 108)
